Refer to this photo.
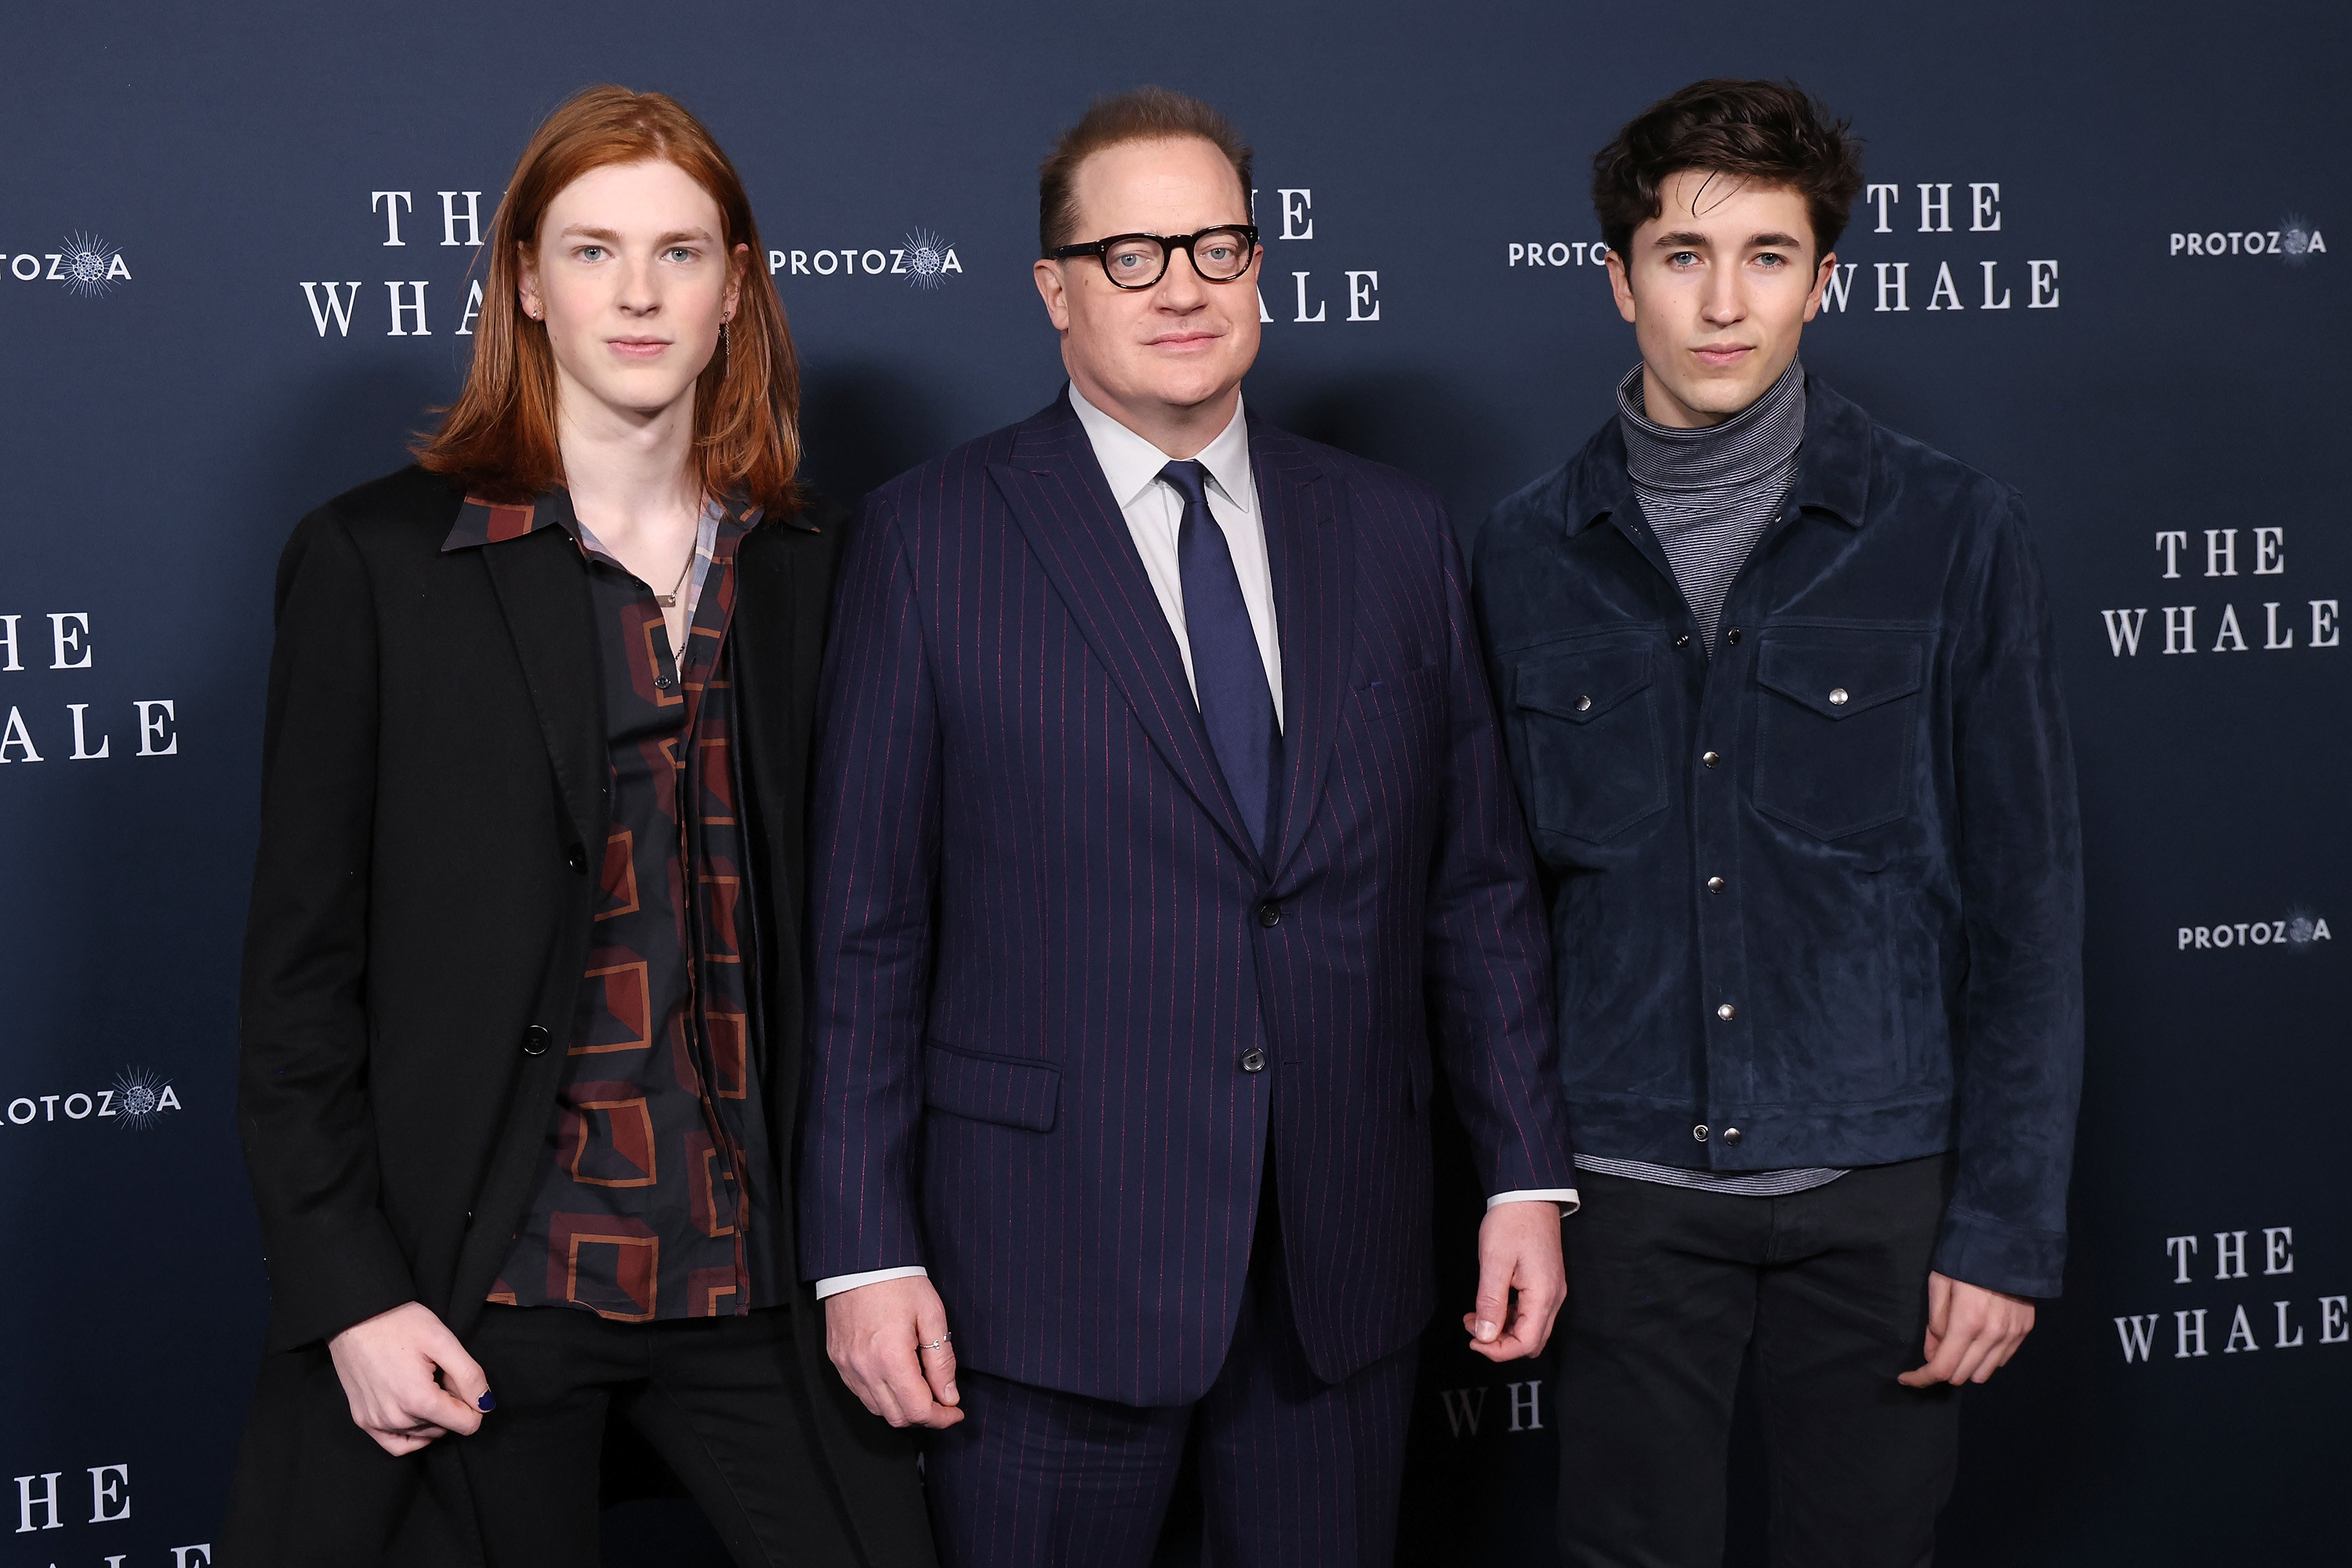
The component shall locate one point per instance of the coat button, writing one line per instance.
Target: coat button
(1732, 635)
(1269, 915)
(1711, 758)
(1584, 705)
(1726, 1012)
(663, 683)
(576, 857)
(1715, 884)
(1698, 1133)
(1837, 697)
(1731, 1135)
(535, 1040)
(1252, 1061)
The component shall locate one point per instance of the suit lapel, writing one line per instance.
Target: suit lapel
(1308, 547)
(1058, 495)
(543, 593)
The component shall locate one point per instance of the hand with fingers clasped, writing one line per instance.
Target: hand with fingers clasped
(408, 1379)
(1522, 1280)
(891, 1344)
(1971, 1332)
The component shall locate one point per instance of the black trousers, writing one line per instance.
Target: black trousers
(721, 1399)
(1669, 1289)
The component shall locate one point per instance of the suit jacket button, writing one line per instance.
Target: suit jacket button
(1269, 914)
(1252, 1061)
(576, 857)
(535, 1040)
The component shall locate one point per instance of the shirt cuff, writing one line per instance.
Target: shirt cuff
(1564, 1196)
(838, 1283)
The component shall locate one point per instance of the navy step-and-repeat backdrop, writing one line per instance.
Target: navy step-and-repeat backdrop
(2105, 254)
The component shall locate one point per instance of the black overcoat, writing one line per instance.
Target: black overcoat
(434, 774)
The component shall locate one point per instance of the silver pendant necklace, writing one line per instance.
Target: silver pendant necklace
(669, 600)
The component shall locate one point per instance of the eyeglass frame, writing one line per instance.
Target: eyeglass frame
(1170, 244)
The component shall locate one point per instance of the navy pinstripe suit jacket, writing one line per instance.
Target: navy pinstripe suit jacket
(1042, 938)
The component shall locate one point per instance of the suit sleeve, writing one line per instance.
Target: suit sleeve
(874, 834)
(303, 1111)
(2020, 1062)
(1487, 958)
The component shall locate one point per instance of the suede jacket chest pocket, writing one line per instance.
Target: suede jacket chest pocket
(1837, 727)
(1589, 723)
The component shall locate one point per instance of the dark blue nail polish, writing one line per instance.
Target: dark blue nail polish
(489, 1401)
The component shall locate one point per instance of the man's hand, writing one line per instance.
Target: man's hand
(872, 1335)
(408, 1379)
(1522, 1280)
(1971, 1331)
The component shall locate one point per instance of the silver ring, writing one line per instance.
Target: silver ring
(936, 1342)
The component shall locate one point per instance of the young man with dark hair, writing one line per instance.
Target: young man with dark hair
(1779, 692)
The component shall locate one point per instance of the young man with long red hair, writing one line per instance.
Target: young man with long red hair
(522, 993)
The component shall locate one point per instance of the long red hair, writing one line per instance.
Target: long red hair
(498, 437)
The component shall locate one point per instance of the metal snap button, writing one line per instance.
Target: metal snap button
(1584, 704)
(1715, 884)
(1711, 758)
(1731, 1135)
(1732, 635)
(1698, 1133)
(1837, 697)
(1726, 1012)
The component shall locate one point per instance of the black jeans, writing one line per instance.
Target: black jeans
(721, 1399)
(1667, 1291)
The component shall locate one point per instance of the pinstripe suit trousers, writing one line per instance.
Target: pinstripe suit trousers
(1294, 1472)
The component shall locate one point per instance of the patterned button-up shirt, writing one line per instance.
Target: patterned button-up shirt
(656, 1187)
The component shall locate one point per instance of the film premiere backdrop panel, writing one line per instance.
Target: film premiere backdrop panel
(2098, 257)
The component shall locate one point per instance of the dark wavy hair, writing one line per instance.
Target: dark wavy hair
(1772, 133)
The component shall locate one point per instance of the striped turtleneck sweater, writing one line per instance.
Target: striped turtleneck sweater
(1708, 494)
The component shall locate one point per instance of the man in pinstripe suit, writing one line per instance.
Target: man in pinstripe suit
(1160, 825)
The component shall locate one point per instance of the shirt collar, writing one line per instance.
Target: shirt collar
(482, 521)
(1132, 463)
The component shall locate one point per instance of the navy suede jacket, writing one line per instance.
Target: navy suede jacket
(1818, 900)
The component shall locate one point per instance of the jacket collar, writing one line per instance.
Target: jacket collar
(1832, 467)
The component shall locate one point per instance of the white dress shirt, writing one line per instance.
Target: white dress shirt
(1154, 511)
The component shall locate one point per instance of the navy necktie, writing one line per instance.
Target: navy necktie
(1228, 673)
